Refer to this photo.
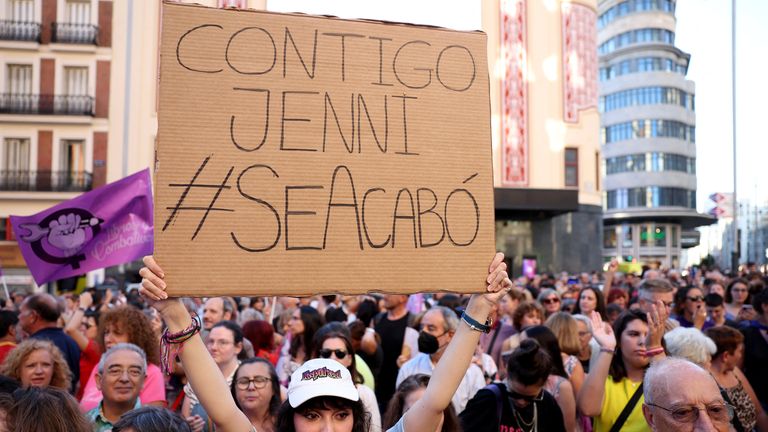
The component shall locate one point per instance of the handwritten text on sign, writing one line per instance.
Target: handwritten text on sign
(301, 154)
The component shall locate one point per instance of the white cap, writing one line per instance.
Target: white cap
(321, 377)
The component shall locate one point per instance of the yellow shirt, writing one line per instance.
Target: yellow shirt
(617, 394)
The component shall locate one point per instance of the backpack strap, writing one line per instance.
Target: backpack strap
(494, 388)
(627, 409)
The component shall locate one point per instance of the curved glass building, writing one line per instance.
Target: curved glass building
(647, 133)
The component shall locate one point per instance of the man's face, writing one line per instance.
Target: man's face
(434, 324)
(392, 301)
(123, 377)
(716, 313)
(213, 312)
(650, 298)
(693, 391)
(27, 318)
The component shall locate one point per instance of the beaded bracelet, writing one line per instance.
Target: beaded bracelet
(172, 344)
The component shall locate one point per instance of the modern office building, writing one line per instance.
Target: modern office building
(647, 134)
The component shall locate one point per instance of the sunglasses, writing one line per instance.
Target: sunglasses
(527, 398)
(326, 353)
(696, 299)
(551, 300)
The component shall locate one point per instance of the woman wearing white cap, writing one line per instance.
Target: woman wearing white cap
(321, 391)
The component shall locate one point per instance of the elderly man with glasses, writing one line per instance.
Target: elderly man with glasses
(120, 378)
(681, 396)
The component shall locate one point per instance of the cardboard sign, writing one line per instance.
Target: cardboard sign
(301, 154)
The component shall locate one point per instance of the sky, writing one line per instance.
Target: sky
(703, 30)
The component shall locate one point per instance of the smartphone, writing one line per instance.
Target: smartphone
(747, 307)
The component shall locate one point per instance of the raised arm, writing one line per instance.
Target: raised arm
(612, 267)
(590, 398)
(204, 376)
(73, 325)
(425, 415)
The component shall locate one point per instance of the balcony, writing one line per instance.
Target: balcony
(20, 31)
(45, 181)
(46, 104)
(75, 33)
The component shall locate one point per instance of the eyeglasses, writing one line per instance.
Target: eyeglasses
(528, 398)
(585, 333)
(696, 299)
(689, 414)
(326, 353)
(259, 382)
(133, 373)
(551, 300)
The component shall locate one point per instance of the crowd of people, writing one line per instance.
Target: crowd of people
(604, 351)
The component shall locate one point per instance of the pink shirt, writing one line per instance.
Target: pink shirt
(153, 391)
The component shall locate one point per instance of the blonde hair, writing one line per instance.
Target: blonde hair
(62, 376)
(565, 327)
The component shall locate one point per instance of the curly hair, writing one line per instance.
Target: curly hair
(131, 321)
(523, 309)
(62, 376)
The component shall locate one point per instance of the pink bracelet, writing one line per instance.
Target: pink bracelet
(172, 344)
(654, 352)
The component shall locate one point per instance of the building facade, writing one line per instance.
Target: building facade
(55, 68)
(543, 69)
(647, 134)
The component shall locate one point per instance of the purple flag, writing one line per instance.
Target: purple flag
(104, 227)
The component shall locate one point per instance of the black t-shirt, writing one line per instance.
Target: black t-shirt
(480, 415)
(392, 334)
(755, 359)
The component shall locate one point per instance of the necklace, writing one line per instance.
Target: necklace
(522, 424)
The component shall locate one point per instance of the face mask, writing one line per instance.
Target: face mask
(428, 344)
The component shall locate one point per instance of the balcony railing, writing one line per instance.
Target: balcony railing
(46, 181)
(19, 31)
(45, 104)
(75, 33)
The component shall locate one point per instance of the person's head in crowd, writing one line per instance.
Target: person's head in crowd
(655, 290)
(37, 312)
(509, 303)
(760, 303)
(120, 378)
(690, 344)
(256, 390)
(8, 322)
(48, 409)
(155, 321)
(437, 327)
(681, 396)
(687, 302)
(756, 285)
(334, 341)
(568, 304)
(730, 347)
(619, 297)
(367, 310)
(737, 292)
(566, 330)
(590, 299)
(451, 301)
(37, 363)
(528, 368)
(549, 343)
(527, 314)
(651, 274)
(406, 395)
(89, 325)
(257, 303)
(128, 324)
(225, 343)
(18, 298)
(712, 286)
(612, 311)
(216, 309)
(322, 396)
(631, 331)
(261, 334)
(305, 321)
(584, 325)
(395, 302)
(549, 300)
(151, 419)
(715, 308)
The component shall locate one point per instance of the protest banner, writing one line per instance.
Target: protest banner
(104, 227)
(300, 154)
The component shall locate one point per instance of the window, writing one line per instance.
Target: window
(78, 12)
(571, 167)
(16, 155)
(22, 11)
(19, 79)
(646, 96)
(651, 128)
(645, 235)
(72, 159)
(626, 236)
(636, 36)
(652, 196)
(610, 240)
(76, 81)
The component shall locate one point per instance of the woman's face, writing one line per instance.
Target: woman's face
(337, 344)
(296, 325)
(694, 300)
(324, 420)
(37, 369)
(530, 319)
(257, 393)
(221, 345)
(551, 304)
(584, 334)
(621, 301)
(739, 293)
(413, 397)
(114, 335)
(718, 289)
(735, 359)
(89, 328)
(587, 302)
(633, 340)
(507, 305)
